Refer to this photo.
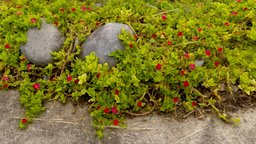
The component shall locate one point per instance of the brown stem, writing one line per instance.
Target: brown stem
(141, 114)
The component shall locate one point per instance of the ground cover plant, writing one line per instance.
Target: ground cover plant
(158, 70)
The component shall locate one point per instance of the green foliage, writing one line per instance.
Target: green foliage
(153, 68)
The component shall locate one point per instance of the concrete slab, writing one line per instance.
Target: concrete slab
(59, 125)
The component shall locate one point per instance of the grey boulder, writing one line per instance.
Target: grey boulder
(40, 44)
(103, 41)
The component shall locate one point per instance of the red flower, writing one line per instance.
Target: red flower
(33, 20)
(158, 66)
(114, 110)
(234, 13)
(7, 46)
(187, 55)
(36, 86)
(176, 99)
(180, 34)
(106, 110)
(69, 78)
(139, 104)
(182, 72)
(154, 36)
(192, 66)
(194, 103)
(24, 121)
(117, 92)
(216, 63)
(73, 9)
(185, 83)
(199, 29)
(5, 78)
(169, 43)
(245, 9)
(131, 45)
(226, 23)
(83, 8)
(6, 85)
(28, 67)
(62, 9)
(195, 38)
(220, 49)
(115, 122)
(98, 75)
(238, 0)
(208, 53)
(164, 17)
(76, 81)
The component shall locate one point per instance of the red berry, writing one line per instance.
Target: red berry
(220, 49)
(89, 9)
(169, 43)
(76, 81)
(158, 66)
(192, 66)
(208, 53)
(117, 92)
(106, 110)
(136, 37)
(7, 46)
(180, 34)
(62, 9)
(36, 86)
(199, 29)
(226, 23)
(24, 121)
(69, 78)
(187, 55)
(131, 45)
(83, 8)
(164, 17)
(245, 9)
(5, 78)
(234, 13)
(185, 83)
(154, 36)
(28, 67)
(114, 110)
(139, 104)
(176, 99)
(216, 63)
(115, 122)
(73, 9)
(33, 20)
(182, 72)
(238, 0)
(194, 103)
(98, 107)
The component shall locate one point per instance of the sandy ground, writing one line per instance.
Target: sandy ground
(60, 125)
